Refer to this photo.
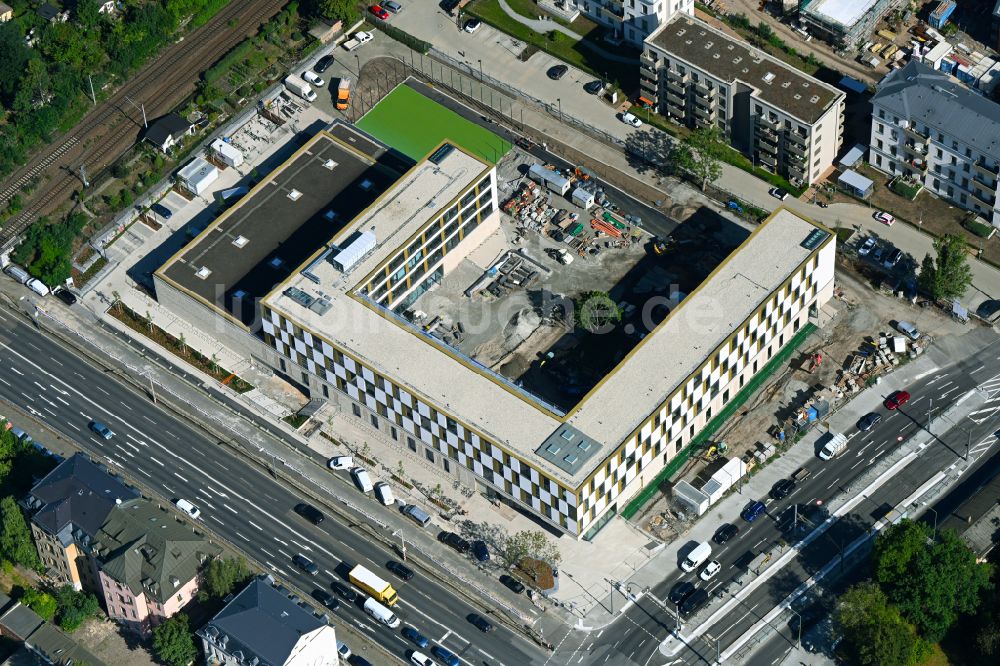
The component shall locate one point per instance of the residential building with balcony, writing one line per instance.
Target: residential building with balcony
(938, 132)
(784, 120)
(633, 20)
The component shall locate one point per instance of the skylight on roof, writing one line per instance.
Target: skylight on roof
(330, 164)
(769, 77)
(203, 272)
(294, 195)
(241, 241)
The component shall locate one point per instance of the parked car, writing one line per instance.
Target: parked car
(753, 511)
(188, 508)
(472, 25)
(344, 592)
(378, 12)
(480, 622)
(310, 513)
(782, 489)
(778, 193)
(557, 72)
(393, 6)
(323, 63)
(415, 637)
(421, 659)
(480, 551)
(710, 570)
(512, 584)
(455, 541)
(694, 602)
(445, 655)
(908, 329)
(400, 569)
(343, 650)
(326, 599)
(868, 421)
(878, 253)
(65, 295)
(594, 87)
(449, 5)
(313, 78)
(866, 246)
(897, 399)
(161, 210)
(101, 430)
(725, 533)
(630, 119)
(361, 479)
(680, 591)
(892, 258)
(304, 563)
(340, 462)
(885, 218)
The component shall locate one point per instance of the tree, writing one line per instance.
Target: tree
(699, 153)
(874, 633)
(173, 643)
(42, 603)
(222, 576)
(594, 310)
(530, 543)
(948, 275)
(931, 583)
(338, 10)
(16, 543)
(75, 607)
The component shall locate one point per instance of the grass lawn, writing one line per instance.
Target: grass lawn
(427, 124)
(576, 53)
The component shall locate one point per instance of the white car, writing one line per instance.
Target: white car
(866, 247)
(630, 119)
(340, 462)
(188, 508)
(778, 193)
(885, 218)
(710, 570)
(343, 650)
(421, 659)
(362, 480)
(472, 25)
(313, 78)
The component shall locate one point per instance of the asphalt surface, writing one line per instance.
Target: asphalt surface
(635, 638)
(171, 459)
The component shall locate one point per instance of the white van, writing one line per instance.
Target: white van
(381, 613)
(37, 286)
(696, 557)
(383, 491)
(188, 508)
(361, 479)
(833, 448)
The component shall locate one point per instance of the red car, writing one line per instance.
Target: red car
(897, 399)
(379, 12)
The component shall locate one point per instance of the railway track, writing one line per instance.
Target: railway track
(109, 130)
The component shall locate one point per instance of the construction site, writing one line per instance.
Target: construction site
(509, 305)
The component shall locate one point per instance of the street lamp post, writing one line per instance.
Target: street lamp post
(718, 648)
(798, 638)
(559, 102)
(357, 58)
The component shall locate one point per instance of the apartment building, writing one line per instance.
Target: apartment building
(632, 20)
(67, 508)
(929, 128)
(845, 23)
(782, 119)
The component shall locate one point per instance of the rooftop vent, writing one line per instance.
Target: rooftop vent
(241, 241)
(294, 195)
(680, 33)
(797, 96)
(768, 78)
(737, 60)
(584, 445)
(688, 42)
(716, 55)
(239, 293)
(571, 458)
(708, 45)
(330, 215)
(730, 47)
(786, 84)
(354, 251)
(277, 262)
(366, 184)
(814, 99)
(567, 435)
(330, 164)
(441, 153)
(203, 272)
(805, 84)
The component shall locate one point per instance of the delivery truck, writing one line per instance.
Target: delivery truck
(299, 87)
(835, 446)
(358, 39)
(373, 585)
(343, 93)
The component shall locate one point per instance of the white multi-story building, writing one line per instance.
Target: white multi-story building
(633, 20)
(328, 320)
(927, 127)
(784, 120)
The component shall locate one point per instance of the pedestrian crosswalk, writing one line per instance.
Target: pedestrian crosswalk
(990, 390)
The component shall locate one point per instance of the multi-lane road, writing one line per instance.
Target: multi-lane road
(170, 459)
(636, 637)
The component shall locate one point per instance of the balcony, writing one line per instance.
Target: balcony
(914, 134)
(707, 102)
(919, 165)
(703, 122)
(766, 135)
(769, 148)
(915, 148)
(988, 182)
(762, 121)
(766, 160)
(705, 114)
(647, 62)
(796, 171)
(647, 84)
(982, 197)
(677, 87)
(676, 100)
(983, 168)
(702, 89)
(797, 139)
(677, 77)
(795, 148)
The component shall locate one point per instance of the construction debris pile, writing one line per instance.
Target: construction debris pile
(877, 356)
(513, 270)
(447, 332)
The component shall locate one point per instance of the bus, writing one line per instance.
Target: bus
(373, 585)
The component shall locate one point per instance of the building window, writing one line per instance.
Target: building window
(429, 454)
(394, 433)
(356, 410)
(326, 391)
(410, 443)
(447, 465)
(374, 421)
(281, 361)
(305, 378)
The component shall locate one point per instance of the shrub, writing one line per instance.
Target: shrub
(42, 603)
(978, 228)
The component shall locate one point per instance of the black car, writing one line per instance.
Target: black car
(480, 551)
(323, 64)
(304, 563)
(512, 584)
(868, 421)
(694, 602)
(449, 5)
(594, 87)
(161, 210)
(310, 513)
(344, 592)
(455, 541)
(400, 569)
(65, 295)
(725, 533)
(326, 599)
(680, 591)
(480, 623)
(782, 489)
(557, 72)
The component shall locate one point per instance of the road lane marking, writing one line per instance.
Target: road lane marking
(259, 528)
(181, 478)
(143, 471)
(835, 482)
(242, 537)
(230, 508)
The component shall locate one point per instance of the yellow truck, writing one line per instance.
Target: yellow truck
(378, 588)
(343, 94)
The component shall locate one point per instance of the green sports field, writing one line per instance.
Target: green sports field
(414, 125)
